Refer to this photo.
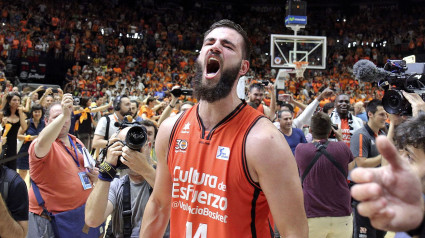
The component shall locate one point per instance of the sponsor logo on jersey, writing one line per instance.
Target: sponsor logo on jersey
(186, 128)
(181, 146)
(223, 153)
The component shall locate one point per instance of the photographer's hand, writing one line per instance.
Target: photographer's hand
(416, 101)
(93, 173)
(114, 151)
(139, 162)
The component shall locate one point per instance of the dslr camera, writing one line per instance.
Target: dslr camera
(135, 139)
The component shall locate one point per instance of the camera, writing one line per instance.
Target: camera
(135, 139)
(394, 77)
(393, 100)
(177, 92)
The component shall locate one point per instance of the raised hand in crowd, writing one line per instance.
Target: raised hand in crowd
(416, 102)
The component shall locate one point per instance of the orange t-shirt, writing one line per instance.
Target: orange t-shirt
(213, 194)
(345, 129)
(147, 110)
(56, 175)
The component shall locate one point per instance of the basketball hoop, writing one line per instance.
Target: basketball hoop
(300, 67)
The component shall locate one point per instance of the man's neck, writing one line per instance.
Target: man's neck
(118, 114)
(65, 140)
(136, 178)
(343, 116)
(374, 128)
(212, 113)
(286, 131)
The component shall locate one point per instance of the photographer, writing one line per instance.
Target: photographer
(108, 196)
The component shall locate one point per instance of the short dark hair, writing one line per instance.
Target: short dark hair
(150, 99)
(134, 101)
(150, 123)
(328, 106)
(372, 106)
(246, 53)
(258, 86)
(320, 125)
(289, 106)
(37, 107)
(411, 132)
(279, 113)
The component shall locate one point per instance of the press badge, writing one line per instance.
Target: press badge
(85, 181)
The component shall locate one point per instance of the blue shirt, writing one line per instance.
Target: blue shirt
(362, 116)
(296, 138)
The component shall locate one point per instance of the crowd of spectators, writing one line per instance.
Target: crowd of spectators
(143, 48)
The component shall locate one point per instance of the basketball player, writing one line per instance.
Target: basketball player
(223, 166)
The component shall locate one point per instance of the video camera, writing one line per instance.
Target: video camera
(394, 77)
(135, 139)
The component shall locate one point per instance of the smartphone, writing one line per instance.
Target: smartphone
(284, 97)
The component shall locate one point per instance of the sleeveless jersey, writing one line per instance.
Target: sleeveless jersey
(213, 194)
(260, 108)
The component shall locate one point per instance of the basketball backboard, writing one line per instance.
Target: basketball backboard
(285, 49)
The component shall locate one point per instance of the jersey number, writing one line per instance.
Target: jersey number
(201, 232)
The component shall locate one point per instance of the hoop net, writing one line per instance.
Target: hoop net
(300, 67)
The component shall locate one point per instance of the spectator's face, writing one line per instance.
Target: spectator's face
(34, 96)
(37, 114)
(378, 118)
(151, 133)
(256, 96)
(55, 111)
(133, 109)
(219, 64)
(15, 102)
(286, 120)
(342, 105)
(49, 100)
(99, 101)
(15, 90)
(125, 107)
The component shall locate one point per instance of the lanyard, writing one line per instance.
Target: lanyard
(75, 150)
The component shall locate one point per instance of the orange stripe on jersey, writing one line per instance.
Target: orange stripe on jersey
(361, 145)
(213, 194)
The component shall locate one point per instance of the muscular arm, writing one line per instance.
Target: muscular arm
(157, 211)
(9, 228)
(276, 171)
(99, 142)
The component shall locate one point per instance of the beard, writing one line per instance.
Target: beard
(210, 92)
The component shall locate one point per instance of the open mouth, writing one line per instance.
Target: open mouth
(213, 66)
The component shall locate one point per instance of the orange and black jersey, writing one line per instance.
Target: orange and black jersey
(213, 194)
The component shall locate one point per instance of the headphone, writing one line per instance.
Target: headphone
(117, 103)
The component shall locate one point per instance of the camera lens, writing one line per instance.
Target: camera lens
(136, 137)
(394, 103)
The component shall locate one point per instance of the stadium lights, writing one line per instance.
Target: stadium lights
(337, 41)
(345, 20)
